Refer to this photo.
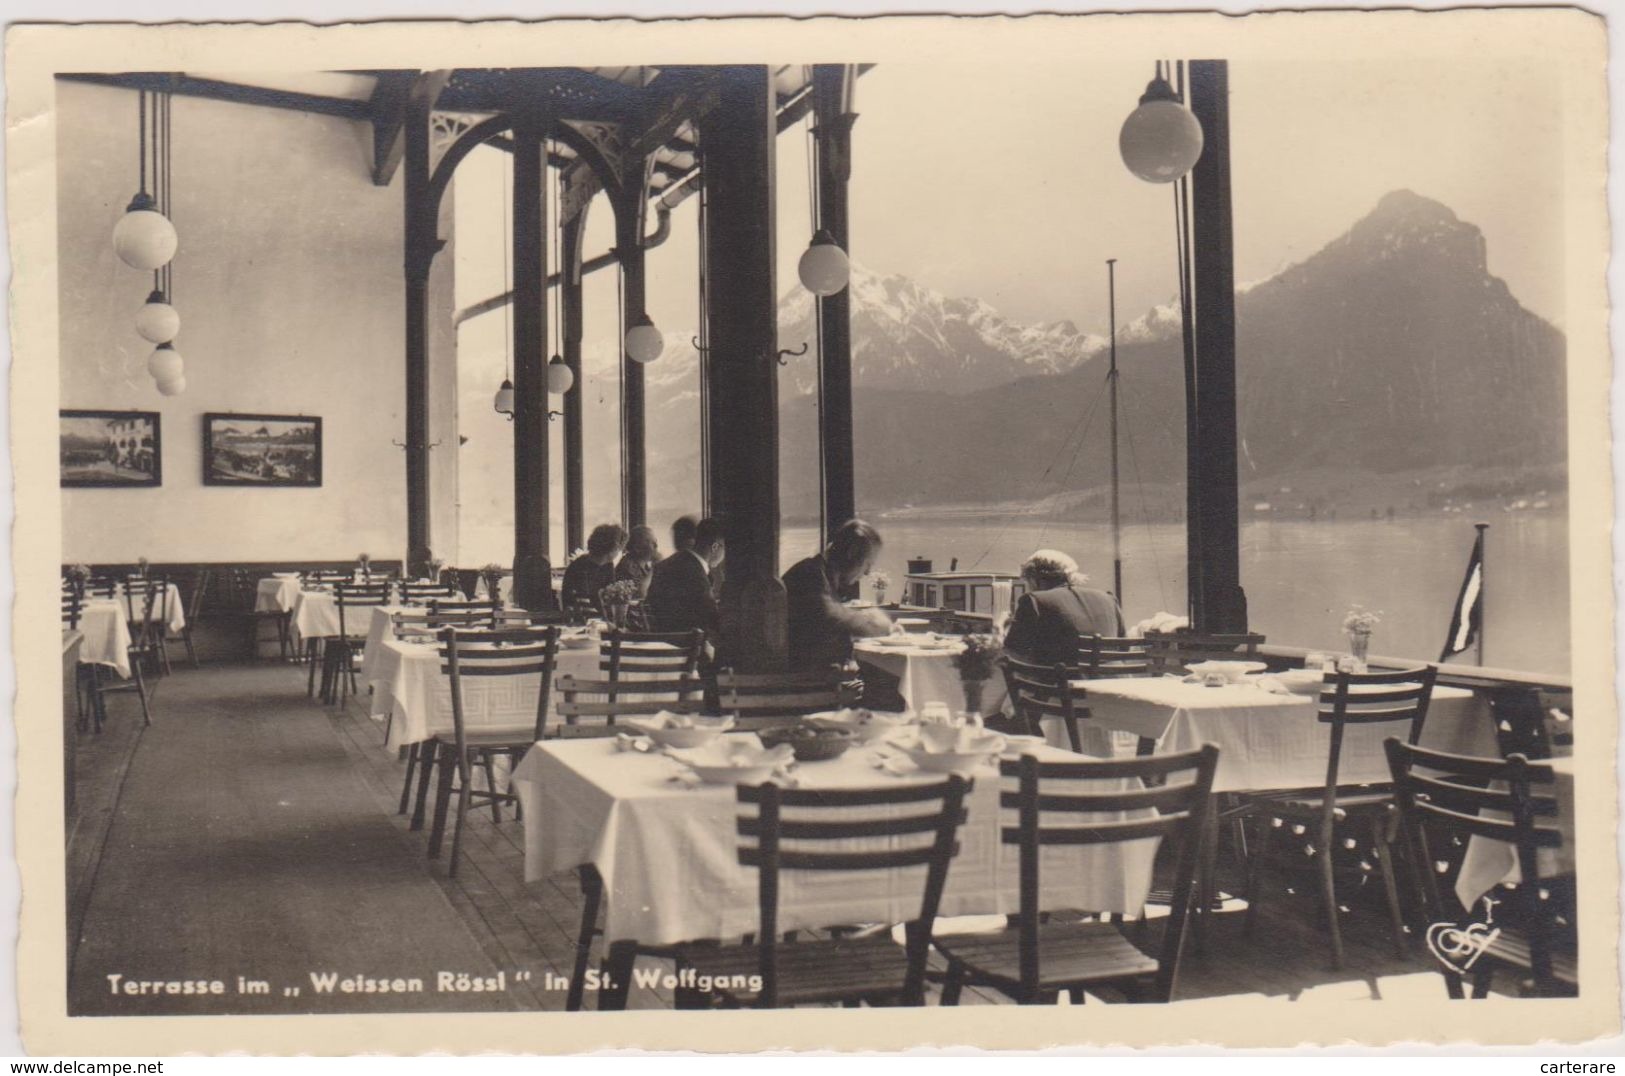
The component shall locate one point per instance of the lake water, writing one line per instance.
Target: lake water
(1301, 577)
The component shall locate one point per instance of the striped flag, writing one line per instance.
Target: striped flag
(1467, 619)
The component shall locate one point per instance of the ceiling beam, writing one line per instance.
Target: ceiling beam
(388, 106)
(237, 93)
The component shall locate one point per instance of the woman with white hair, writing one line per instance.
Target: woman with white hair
(1058, 610)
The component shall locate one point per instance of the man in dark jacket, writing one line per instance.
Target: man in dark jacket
(1057, 611)
(820, 627)
(680, 597)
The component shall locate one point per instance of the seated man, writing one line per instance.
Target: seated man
(680, 597)
(595, 569)
(820, 627)
(1057, 611)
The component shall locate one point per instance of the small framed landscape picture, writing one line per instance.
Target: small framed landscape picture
(110, 449)
(261, 450)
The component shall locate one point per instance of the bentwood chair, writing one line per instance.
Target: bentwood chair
(343, 651)
(812, 830)
(194, 609)
(1044, 691)
(423, 593)
(1063, 804)
(1398, 698)
(1172, 651)
(641, 654)
(1102, 657)
(520, 653)
(146, 606)
(1465, 798)
(758, 700)
(450, 613)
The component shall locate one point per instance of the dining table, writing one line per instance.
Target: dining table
(411, 693)
(1266, 739)
(664, 849)
(105, 625)
(923, 665)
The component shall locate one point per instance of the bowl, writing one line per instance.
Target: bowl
(740, 760)
(1232, 671)
(913, 623)
(951, 761)
(1302, 681)
(733, 775)
(1016, 745)
(577, 642)
(809, 742)
(866, 726)
(681, 730)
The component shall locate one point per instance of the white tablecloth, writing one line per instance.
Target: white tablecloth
(668, 853)
(316, 616)
(407, 682)
(166, 607)
(928, 675)
(106, 634)
(1265, 740)
(1488, 863)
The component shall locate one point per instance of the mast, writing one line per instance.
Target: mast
(1111, 378)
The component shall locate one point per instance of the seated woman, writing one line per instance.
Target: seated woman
(638, 562)
(595, 569)
(1057, 611)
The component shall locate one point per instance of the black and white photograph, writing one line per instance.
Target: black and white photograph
(1097, 516)
(111, 448)
(262, 450)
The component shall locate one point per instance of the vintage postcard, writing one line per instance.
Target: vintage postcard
(576, 534)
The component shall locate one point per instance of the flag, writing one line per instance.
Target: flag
(1469, 613)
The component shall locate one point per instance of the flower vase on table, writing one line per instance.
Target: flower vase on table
(1358, 625)
(976, 664)
(974, 690)
(1359, 647)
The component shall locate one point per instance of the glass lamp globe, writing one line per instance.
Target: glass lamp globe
(174, 386)
(1161, 140)
(643, 341)
(504, 399)
(824, 268)
(165, 364)
(144, 238)
(559, 376)
(157, 321)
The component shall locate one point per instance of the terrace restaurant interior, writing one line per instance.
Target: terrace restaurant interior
(720, 777)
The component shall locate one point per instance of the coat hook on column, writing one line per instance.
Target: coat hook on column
(783, 356)
(554, 416)
(399, 444)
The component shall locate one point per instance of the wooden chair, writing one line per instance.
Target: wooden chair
(759, 700)
(919, 828)
(1102, 657)
(423, 593)
(523, 652)
(1033, 961)
(327, 577)
(1349, 699)
(1172, 651)
(1040, 691)
(72, 610)
(194, 609)
(450, 613)
(146, 606)
(604, 701)
(341, 652)
(1462, 797)
(141, 650)
(245, 599)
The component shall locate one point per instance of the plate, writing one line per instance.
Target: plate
(1233, 671)
(690, 732)
(1016, 745)
(894, 642)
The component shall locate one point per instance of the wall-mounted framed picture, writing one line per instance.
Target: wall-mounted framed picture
(110, 449)
(261, 450)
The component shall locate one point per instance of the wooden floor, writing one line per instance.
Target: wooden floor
(255, 833)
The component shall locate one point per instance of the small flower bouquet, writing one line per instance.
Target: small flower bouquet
(881, 582)
(492, 574)
(979, 658)
(1360, 621)
(616, 599)
(141, 566)
(79, 578)
(435, 566)
(363, 563)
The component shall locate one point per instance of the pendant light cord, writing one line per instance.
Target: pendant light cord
(703, 337)
(141, 141)
(507, 286)
(817, 306)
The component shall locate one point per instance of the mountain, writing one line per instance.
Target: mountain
(1391, 350)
